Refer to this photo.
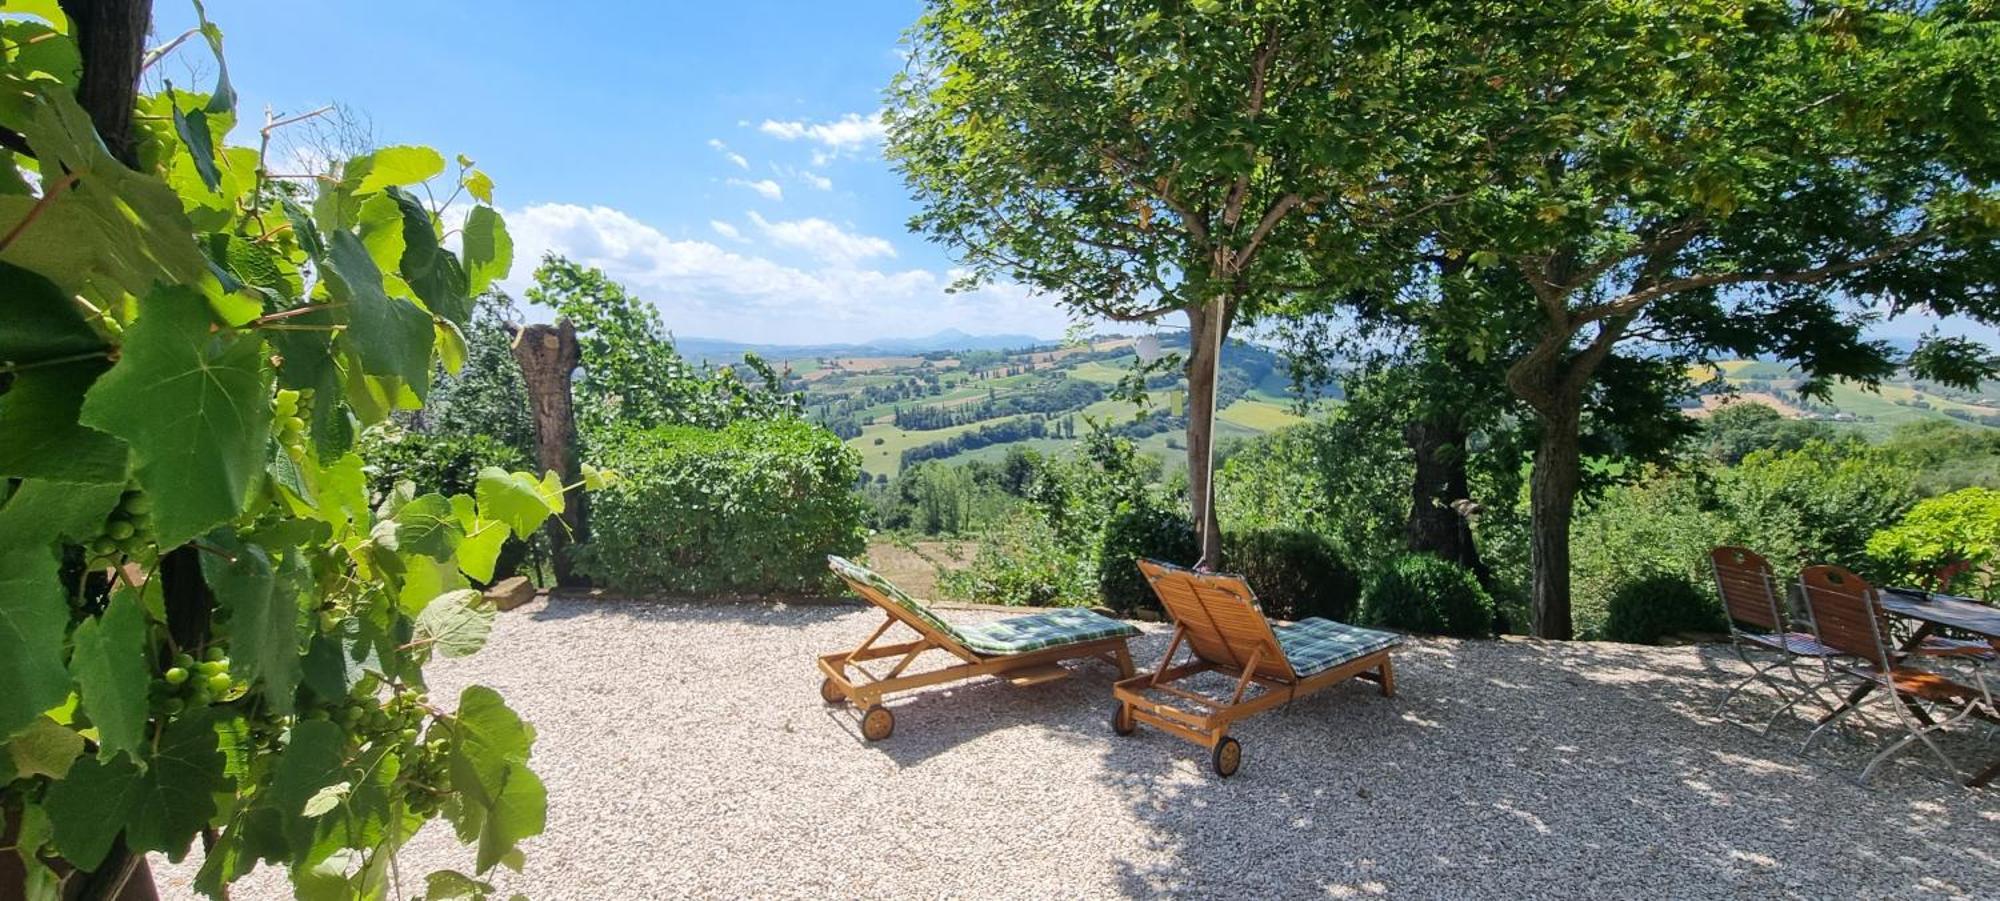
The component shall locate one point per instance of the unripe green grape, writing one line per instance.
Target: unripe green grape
(211, 667)
(175, 675)
(215, 652)
(219, 684)
(183, 660)
(103, 546)
(119, 530)
(136, 504)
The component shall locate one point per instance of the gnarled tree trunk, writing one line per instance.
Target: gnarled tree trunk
(1441, 495)
(1552, 503)
(548, 354)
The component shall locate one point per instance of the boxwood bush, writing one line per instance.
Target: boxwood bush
(1643, 611)
(1135, 532)
(752, 508)
(1296, 573)
(1428, 594)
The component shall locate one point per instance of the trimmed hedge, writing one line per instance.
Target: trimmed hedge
(1428, 594)
(1296, 573)
(1643, 611)
(1137, 532)
(753, 508)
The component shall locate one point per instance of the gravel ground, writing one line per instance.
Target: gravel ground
(687, 754)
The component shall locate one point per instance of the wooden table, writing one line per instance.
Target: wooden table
(1932, 611)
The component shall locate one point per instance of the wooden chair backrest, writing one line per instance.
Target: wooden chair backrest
(1846, 614)
(1219, 618)
(1748, 588)
(907, 610)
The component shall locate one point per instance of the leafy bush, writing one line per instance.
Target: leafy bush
(1424, 593)
(754, 507)
(1960, 526)
(1295, 573)
(1662, 527)
(1141, 531)
(441, 464)
(1023, 561)
(1643, 611)
(1818, 504)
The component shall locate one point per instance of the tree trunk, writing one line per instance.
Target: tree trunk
(1552, 502)
(1206, 325)
(111, 38)
(548, 355)
(1440, 494)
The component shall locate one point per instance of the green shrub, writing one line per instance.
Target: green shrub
(1295, 573)
(1424, 593)
(751, 508)
(1141, 531)
(1961, 526)
(1643, 611)
(1022, 561)
(1661, 526)
(446, 464)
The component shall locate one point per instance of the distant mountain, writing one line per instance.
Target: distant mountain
(723, 350)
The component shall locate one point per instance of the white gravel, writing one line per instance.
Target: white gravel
(687, 754)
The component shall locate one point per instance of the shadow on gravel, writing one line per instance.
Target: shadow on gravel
(559, 607)
(1524, 768)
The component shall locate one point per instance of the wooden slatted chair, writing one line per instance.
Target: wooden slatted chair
(1024, 650)
(1218, 622)
(1848, 617)
(1759, 627)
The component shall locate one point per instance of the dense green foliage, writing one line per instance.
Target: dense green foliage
(1644, 611)
(1818, 503)
(1960, 527)
(751, 508)
(1421, 593)
(1296, 574)
(207, 628)
(1147, 532)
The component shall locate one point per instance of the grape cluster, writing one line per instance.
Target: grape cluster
(126, 533)
(189, 684)
(291, 425)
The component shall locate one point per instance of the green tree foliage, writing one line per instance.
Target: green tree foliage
(1141, 532)
(1663, 527)
(1946, 457)
(1296, 573)
(206, 628)
(1421, 593)
(1818, 504)
(633, 378)
(486, 397)
(754, 507)
(1737, 430)
(1963, 526)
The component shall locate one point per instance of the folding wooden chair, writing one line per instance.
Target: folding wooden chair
(1848, 616)
(1759, 624)
(1024, 650)
(1217, 620)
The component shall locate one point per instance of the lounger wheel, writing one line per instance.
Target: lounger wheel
(877, 723)
(1121, 719)
(1227, 757)
(830, 692)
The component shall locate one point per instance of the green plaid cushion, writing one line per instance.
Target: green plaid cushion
(1021, 634)
(855, 572)
(1316, 645)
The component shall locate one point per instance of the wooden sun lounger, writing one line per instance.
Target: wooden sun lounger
(1217, 620)
(1024, 650)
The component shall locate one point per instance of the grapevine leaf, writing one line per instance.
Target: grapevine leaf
(311, 762)
(480, 550)
(223, 98)
(45, 748)
(431, 271)
(517, 499)
(33, 616)
(40, 437)
(426, 526)
(423, 581)
(456, 623)
(89, 806)
(112, 674)
(194, 406)
(502, 801)
(192, 126)
(304, 231)
(394, 167)
(479, 185)
(177, 794)
(39, 321)
(263, 616)
(32, 48)
(326, 799)
(255, 264)
(452, 885)
(41, 513)
(489, 251)
(390, 337)
(381, 226)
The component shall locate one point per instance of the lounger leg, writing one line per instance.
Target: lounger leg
(1388, 680)
(1122, 658)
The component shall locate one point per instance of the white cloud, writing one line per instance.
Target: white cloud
(823, 240)
(726, 230)
(764, 186)
(848, 133)
(704, 289)
(807, 176)
(728, 154)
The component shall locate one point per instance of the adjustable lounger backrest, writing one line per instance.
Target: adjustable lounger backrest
(1748, 589)
(1219, 618)
(912, 612)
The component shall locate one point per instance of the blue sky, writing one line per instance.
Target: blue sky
(722, 160)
